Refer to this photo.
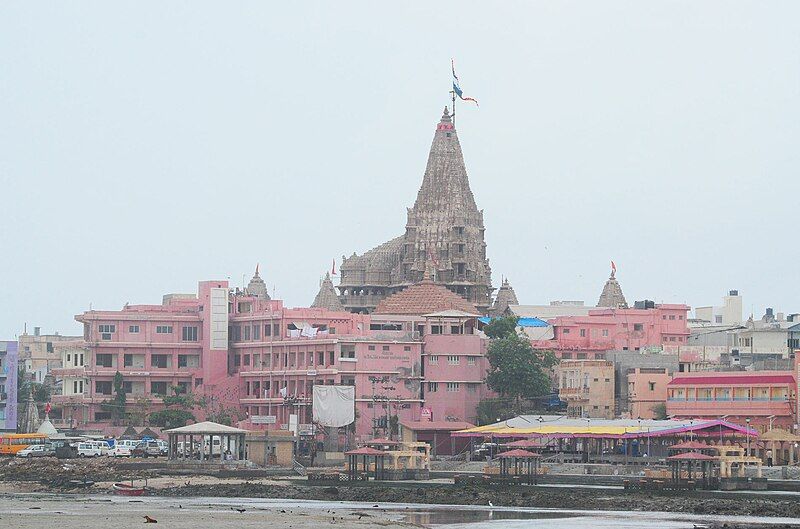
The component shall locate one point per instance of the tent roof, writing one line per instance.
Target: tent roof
(519, 454)
(691, 456)
(206, 428)
(691, 445)
(436, 425)
(365, 451)
(525, 443)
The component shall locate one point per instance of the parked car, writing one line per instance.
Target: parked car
(65, 450)
(486, 449)
(37, 451)
(119, 450)
(146, 449)
(89, 449)
(163, 446)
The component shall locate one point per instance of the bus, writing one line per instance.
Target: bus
(11, 443)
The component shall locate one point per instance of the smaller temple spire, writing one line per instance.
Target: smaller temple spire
(257, 287)
(612, 295)
(326, 297)
(505, 297)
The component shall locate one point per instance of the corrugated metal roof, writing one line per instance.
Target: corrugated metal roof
(732, 380)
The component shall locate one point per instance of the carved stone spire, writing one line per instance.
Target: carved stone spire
(612, 295)
(257, 287)
(505, 297)
(326, 297)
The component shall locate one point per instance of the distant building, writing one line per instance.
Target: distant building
(730, 313)
(657, 328)
(8, 386)
(587, 386)
(37, 353)
(612, 295)
(647, 388)
(767, 398)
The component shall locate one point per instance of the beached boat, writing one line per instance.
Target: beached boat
(128, 490)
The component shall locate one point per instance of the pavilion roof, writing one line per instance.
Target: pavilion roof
(365, 451)
(518, 453)
(691, 445)
(425, 297)
(206, 428)
(524, 443)
(778, 435)
(691, 456)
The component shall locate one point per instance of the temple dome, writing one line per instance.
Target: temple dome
(47, 427)
(422, 298)
(505, 297)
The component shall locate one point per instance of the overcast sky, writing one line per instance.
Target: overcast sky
(147, 146)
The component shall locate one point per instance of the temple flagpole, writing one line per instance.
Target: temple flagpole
(453, 93)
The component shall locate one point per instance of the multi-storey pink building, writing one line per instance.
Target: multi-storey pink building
(766, 398)
(243, 351)
(662, 327)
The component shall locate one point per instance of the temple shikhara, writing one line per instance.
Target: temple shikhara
(444, 229)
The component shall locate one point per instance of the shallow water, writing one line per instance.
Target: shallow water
(441, 516)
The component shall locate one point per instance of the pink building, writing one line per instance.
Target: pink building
(647, 388)
(767, 398)
(246, 353)
(662, 327)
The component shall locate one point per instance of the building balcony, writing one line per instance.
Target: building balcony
(69, 371)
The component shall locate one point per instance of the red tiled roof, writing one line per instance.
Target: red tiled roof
(436, 425)
(716, 379)
(423, 298)
(691, 445)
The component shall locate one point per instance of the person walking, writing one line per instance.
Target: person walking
(769, 458)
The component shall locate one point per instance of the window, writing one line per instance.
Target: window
(605, 332)
(256, 332)
(680, 316)
(671, 338)
(433, 387)
(455, 329)
(127, 360)
(276, 329)
(189, 334)
(385, 348)
(371, 347)
(433, 360)
(102, 387)
(638, 327)
(331, 357)
(566, 356)
(583, 333)
(580, 356)
(452, 387)
(133, 329)
(320, 358)
(470, 360)
(183, 388)
(651, 386)
(672, 316)
(103, 360)
(246, 332)
(565, 331)
(158, 388)
(107, 329)
(163, 329)
(246, 360)
(452, 360)
(127, 386)
(267, 330)
(472, 388)
(159, 361)
(436, 329)
(189, 361)
(198, 382)
(406, 348)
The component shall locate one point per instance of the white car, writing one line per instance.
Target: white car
(89, 449)
(36, 451)
(119, 451)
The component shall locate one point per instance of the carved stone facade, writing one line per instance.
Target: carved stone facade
(505, 297)
(326, 297)
(444, 227)
(612, 295)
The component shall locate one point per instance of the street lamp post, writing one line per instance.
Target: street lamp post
(747, 420)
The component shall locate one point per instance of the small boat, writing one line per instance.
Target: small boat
(128, 490)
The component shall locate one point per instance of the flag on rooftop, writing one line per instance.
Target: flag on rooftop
(457, 86)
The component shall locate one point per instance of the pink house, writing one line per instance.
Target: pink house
(661, 328)
(766, 398)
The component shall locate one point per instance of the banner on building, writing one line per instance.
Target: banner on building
(334, 406)
(425, 414)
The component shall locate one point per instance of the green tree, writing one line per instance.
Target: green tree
(501, 327)
(516, 370)
(41, 392)
(659, 411)
(170, 418)
(117, 405)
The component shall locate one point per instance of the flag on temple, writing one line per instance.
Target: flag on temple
(333, 268)
(457, 86)
(613, 267)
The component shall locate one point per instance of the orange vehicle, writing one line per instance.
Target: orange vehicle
(11, 443)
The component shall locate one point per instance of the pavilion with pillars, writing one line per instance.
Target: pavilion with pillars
(200, 439)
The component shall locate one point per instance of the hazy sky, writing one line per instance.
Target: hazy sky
(147, 146)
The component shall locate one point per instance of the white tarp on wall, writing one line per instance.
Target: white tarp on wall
(334, 405)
